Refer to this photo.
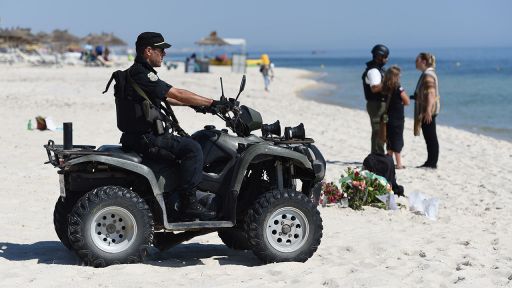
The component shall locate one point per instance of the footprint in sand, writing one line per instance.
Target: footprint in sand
(330, 283)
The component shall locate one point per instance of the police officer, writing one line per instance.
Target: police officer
(150, 47)
(376, 101)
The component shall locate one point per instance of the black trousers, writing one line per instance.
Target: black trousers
(430, 135)
(186, 151)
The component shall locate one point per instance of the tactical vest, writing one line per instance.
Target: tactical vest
(368, 94)
(135, 113)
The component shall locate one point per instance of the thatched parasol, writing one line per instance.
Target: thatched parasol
(16, 36)
(43, 37)
(60, 40)
(212, 40)
(64, 37)
(103, 39)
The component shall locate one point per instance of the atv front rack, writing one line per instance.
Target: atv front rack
(57, 155)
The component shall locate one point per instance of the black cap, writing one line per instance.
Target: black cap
(381, 50)
(152, 39)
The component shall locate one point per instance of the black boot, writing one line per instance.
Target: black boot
(195, 210)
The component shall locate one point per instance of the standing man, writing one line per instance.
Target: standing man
(150, 137)
(376, 101)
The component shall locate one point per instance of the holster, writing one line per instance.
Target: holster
(144, 144)
(154, 117)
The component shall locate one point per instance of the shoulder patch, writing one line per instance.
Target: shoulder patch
(152, 76)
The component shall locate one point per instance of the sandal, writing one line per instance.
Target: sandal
(399, 167)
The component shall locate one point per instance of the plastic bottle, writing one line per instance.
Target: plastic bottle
(29, 124)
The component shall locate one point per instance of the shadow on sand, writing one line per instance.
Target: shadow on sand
(45, 252)
(183, 255)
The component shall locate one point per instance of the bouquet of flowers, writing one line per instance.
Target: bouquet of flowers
(330, 194)
(363, 187)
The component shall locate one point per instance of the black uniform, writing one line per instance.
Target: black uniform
(184, 150)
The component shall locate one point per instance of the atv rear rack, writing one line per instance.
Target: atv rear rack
(57, 155)
(282, 140)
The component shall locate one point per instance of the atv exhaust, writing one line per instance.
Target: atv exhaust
(68, 135)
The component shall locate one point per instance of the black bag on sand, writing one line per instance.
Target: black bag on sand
(384, 166)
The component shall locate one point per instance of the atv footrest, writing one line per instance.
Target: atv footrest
(199, 224)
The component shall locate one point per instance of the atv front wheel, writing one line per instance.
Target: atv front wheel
(284, 226)
(111, 225)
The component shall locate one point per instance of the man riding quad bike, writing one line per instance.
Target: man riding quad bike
(114, 204)
(115, 201)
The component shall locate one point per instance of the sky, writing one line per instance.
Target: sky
(278, 24)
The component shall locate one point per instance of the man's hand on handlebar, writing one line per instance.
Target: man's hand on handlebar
(220, 106)
(200, 109)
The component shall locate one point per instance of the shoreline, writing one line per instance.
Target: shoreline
(321, 92)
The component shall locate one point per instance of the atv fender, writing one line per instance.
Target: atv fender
(156, 186)
(264, 149)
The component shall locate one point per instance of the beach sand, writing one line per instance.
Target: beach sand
(469, 245)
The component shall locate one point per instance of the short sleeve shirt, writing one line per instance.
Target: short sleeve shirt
(147, 79)
(373, 77)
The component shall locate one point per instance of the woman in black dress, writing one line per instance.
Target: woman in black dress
(395, 111)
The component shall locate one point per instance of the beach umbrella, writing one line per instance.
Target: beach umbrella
(63, 37)
(212, 40)
(103, 39)
(43, 37)
(60, 40)
(16, 36)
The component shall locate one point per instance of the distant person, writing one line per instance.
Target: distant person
(223, 58)
(376, 101)
(266, 70)
(106, 54)
(397, 98)
(98, 50)
(191, 63)
(427, 106)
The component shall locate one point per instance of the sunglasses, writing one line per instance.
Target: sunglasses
(160, 50)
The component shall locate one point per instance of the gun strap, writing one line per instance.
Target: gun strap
(170, 113)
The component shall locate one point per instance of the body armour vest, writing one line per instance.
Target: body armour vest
(368, 94)
(134, 113)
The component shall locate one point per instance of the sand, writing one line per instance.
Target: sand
(469, 245)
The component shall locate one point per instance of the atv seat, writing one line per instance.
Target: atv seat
(118, 152)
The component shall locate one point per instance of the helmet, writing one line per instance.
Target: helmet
(380, 50)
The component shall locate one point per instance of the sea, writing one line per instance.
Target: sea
(475, 83)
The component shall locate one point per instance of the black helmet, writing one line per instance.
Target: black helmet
(380, 50)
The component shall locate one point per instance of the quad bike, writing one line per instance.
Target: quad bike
(114, 204)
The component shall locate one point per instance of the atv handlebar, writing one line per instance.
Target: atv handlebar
(228, 109)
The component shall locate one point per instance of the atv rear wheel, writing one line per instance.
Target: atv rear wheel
(284, 226)
(111, 225)
(235, 238)
(60, 220)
